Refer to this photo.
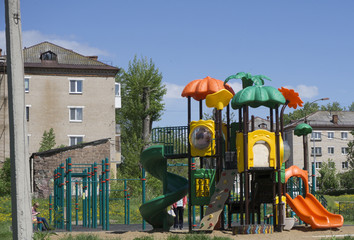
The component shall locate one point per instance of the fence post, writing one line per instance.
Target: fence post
(107, 193)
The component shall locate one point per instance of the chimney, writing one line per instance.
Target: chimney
(93, 57)
(335, 119)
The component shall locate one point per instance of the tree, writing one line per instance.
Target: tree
(5, 178)
(350, 156)
(142, 94)
(347, 179)
(335, 106)
(328, 177)
(48, 140)
(351, 107)
(301, 113)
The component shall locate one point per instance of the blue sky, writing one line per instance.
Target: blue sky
(306, 45)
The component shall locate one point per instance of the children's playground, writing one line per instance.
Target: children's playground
(238, 178)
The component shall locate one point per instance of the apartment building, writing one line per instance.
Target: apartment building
(75, 95)
(329, 140)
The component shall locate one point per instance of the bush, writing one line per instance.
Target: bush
(5, 178)
(347, 179)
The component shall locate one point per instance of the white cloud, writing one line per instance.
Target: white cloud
(305, 91)
(174, 91)
(32, 37)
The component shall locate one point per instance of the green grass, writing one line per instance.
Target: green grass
(348, 213)
(5, 232)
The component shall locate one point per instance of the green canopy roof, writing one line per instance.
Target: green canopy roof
(258, 95)
(302, 129)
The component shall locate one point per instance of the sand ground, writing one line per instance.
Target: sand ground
(298, 233)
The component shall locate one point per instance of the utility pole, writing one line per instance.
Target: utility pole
(20, 181)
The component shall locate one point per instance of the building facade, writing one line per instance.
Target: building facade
(329, 140)
(74, 94)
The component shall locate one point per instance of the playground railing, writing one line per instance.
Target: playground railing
(174, 139)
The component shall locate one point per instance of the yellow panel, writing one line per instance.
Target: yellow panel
(209, 151)
(253, 137)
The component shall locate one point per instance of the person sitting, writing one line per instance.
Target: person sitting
(37, 219)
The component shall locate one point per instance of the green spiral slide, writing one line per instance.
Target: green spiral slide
(175, 187)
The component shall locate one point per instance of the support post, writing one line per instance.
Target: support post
(20, 171)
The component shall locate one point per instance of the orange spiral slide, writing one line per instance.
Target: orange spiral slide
(309, 209)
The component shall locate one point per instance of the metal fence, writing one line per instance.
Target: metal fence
(175, 140)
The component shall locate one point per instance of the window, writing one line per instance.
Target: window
(27, 113)
(316, 136)
(26, 84)
(318, 151)
(344, 135)
(75, 114)
(318, 165)
(48, 56)
(117, 89)
(330, 135)
(330, 150)
(344, 165)
(344, 150)
(74, 140)
(75, 86)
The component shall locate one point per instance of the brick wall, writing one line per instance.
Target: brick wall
(44, 163)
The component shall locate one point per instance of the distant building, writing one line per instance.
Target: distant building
(73, 94)
(329, 140)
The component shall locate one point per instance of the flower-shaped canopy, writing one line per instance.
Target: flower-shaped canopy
(257, 95)
(200, 88)
(302, 129)
(292, 97)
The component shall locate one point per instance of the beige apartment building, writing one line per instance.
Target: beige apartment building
(73, 94)
(329, 140)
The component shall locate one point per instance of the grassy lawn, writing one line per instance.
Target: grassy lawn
(347, 210)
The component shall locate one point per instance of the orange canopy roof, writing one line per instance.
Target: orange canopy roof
(200, 88)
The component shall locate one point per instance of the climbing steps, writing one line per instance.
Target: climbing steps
(218, 200)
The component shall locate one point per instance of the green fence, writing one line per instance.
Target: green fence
(174, 139)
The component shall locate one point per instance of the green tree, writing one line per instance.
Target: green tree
(350, 156)
(335, 106)
(48, 140)
(328, 176)
(347, 179)
(142, 93)
(351, 107)
(5, 178)
(301, 113)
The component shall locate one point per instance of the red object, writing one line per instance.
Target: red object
(184, 202)
(200, 88)
(292, 97)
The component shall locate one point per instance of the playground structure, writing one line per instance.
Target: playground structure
(233, 169)
(254, 160)
(90, 183)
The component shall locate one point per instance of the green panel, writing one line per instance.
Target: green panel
(282, 174)
(203, 186)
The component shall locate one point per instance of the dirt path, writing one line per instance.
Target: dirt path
(298, 233)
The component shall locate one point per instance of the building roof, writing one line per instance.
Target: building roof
(66, 60)
(64, 149)
(327, 120)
